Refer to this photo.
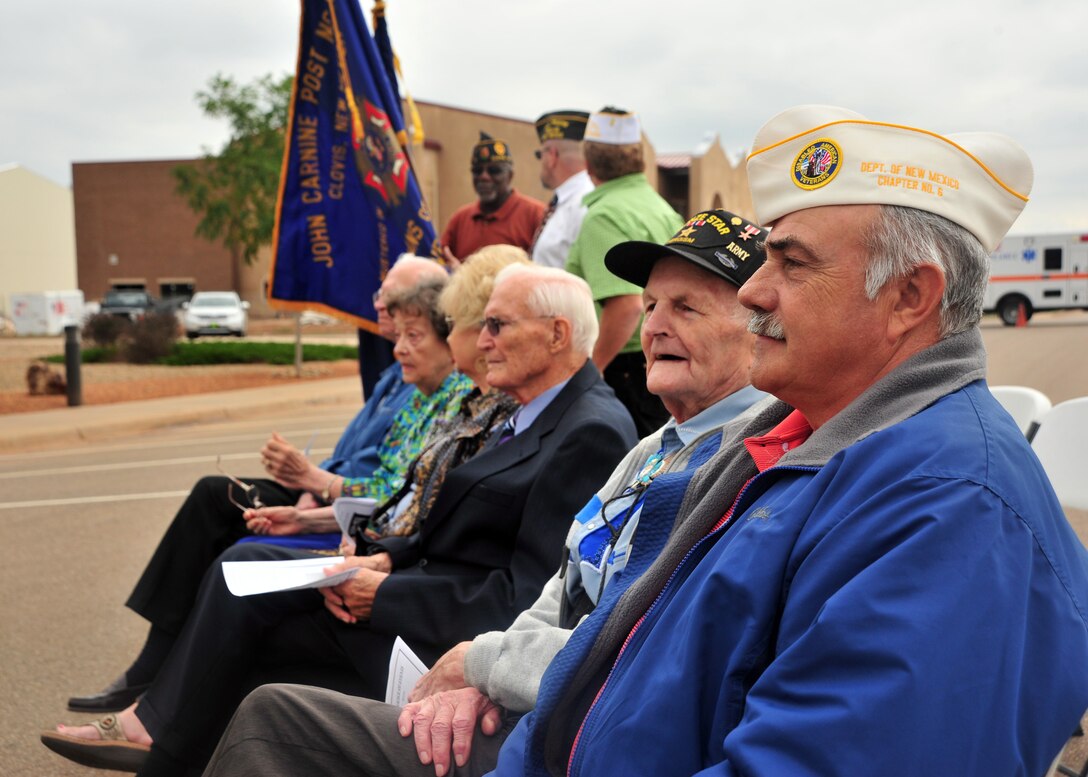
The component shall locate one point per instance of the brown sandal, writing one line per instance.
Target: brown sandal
(113, 751)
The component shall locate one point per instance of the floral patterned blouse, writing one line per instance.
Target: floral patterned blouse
(406, 437)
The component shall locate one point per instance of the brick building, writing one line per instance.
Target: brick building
(133, 230)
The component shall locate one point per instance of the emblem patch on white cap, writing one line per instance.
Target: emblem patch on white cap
(817, 164)
(979, 180)
(613, 126)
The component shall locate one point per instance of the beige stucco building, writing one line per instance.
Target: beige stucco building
(37, 236)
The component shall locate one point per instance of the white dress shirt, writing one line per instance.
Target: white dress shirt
(554, 241)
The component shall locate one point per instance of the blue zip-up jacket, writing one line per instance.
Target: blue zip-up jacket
(356, 452)
(899, 595)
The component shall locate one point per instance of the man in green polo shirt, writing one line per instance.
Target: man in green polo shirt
(622, 207)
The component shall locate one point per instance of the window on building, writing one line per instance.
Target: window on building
(176, 288)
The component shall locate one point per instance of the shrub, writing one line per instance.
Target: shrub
(105, 329)
(152, 338)
(224, 352)
(213, 352)
(92, 355)
(42, 379)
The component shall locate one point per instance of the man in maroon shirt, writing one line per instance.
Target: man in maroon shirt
(500, 215)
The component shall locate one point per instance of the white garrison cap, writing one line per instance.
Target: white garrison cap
(614, 127)
(815, 155)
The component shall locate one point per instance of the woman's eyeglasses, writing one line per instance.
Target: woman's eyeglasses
(249, 491)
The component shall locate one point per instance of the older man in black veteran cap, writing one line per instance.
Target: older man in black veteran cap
(501, 214)
(562, 169)
(698, 347)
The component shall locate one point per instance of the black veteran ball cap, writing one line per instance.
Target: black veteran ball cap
(716, 240)
(489, 149)
(562, 125)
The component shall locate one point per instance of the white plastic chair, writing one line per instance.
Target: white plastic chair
(1027, 406)
(1061, 445)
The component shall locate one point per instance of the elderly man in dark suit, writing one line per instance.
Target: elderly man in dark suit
(482, 555)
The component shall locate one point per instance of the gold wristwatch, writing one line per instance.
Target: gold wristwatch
(326, 494)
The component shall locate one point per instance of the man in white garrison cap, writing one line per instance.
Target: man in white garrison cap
(623, 206)
(873, 576)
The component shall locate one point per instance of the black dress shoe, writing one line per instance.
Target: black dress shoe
(114, 698)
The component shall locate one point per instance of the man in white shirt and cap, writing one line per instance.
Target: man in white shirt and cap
(562, 169)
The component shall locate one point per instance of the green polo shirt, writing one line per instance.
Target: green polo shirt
(622, 209)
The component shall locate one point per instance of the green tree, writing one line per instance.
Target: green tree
(234, 191)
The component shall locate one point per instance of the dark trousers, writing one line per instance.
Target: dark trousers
(375, 354)
(231, 644)
(205, 526)
(626, 374)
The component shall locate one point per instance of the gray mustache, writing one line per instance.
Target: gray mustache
(766, 325)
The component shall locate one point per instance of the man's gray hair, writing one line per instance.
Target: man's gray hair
(902, 238)
(555, 292)
(570, 148)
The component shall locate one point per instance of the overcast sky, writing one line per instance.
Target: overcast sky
(115, 79)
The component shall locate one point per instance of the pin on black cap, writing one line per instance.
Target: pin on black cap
(489, 149)
(718, 241)
(562, 125)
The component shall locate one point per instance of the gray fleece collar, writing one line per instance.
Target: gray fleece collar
(910, 388)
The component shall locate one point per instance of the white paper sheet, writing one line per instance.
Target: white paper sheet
(347, 507)
(405, 669)
(245, 578)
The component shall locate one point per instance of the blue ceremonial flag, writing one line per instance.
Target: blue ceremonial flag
(414, 124)
(349, 203)
(385, 46)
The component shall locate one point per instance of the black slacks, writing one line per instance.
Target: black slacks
(230, 645)
(205, 525)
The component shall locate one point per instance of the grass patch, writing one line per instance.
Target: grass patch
(186, 354)
(91, 355)
(192, 354)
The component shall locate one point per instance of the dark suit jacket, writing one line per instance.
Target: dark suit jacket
(496, 531)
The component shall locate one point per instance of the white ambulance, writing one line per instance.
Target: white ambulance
(1038, 272)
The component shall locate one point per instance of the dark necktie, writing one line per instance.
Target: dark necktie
(507, 432)
(547, 215)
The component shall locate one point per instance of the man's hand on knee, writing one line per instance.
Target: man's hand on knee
(447, 674)
(445, 723)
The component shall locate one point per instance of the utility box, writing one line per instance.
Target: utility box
(46, 312)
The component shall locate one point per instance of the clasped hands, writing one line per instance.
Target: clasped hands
(442, 713)
(353, 600)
